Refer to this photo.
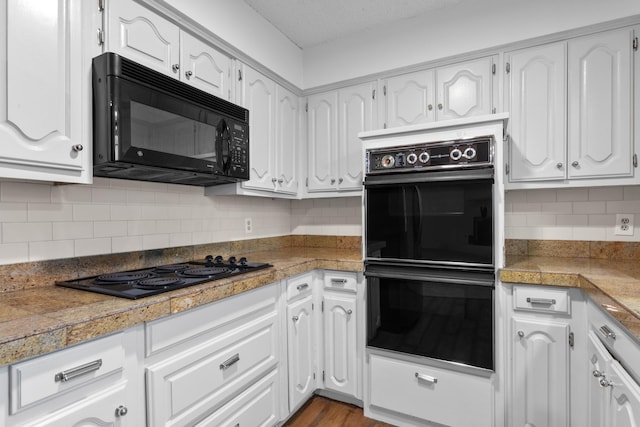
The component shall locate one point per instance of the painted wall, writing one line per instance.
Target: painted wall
(41, 221)
(240, 26)
(465, 28)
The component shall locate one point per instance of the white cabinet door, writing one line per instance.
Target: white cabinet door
(625, 398)
(300, 339)
(464, 90)
(139, 34)
(44, 92)
(204, 67)
(287, 141)
(599, 396)
(356, 115)
(540, 373)
(537, 113)
(600, 105)
(258, 94)
(340, 359)
(410, 99)
(322, 128)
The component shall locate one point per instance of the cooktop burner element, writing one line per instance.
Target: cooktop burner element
(140, 283)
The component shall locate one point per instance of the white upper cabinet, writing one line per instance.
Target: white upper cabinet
(571, 112)
(537, 112)
(334, 120)
(45, 89)
(287, 141)
(449, 92)
(600, 105)
(149, 39)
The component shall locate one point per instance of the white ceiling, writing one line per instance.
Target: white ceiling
(311, 22)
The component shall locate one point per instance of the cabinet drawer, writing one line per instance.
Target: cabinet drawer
(433, 394)
(299, 286)
(53, 374)
(541, 299)
(256, 406)
(194, 382)
(341, 281)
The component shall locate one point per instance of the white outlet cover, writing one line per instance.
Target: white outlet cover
(624, 225)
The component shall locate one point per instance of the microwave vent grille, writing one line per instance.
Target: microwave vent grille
(144, 75)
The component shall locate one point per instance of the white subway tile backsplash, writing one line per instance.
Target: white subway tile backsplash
(72, 230)
(91, 212)
(53, 249)
(126, 244)
(141, 228)
(155, 241)
(557, 207)
(541, 220)
(11, 191)
(13, 232)
(573, 194)
(109, 228)
(134, 197)
(11, 253)
(626, 206)
(42, 212)
(86, 247)
(13, 212)
(108, 195)
(606, 193)
(589, 208)
(539, 196)
(588, 233)
(71, 194)
(572, 220)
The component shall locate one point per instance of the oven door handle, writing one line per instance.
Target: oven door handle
(475, 281)
(418, 177)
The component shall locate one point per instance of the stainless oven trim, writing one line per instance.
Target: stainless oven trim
(400, 262)
(468, 279)
(430, 176)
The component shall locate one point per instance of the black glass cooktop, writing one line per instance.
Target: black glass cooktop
(145, 282)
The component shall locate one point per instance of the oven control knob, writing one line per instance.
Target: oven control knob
(232, 260)
(218, 259)
(209, 259)
(412, 158)
(469, 153)
(455, 154)
(424, 157)
(243, 261)
(388, 161)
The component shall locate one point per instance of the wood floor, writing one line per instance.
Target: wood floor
(323, 412)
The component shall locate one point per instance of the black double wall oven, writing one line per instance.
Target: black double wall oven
(429, 251)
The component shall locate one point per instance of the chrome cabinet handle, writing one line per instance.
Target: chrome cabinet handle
(230, 362)
(349, 312)
(188, 74)
(541, 301)
(559, 165)
(77, 147)
(597, 373)
(521, 334)
(338, 281)
(333, 181)
(295, 318)
(78, 371)
(607, 332)
(280, 181)
(302, 286)
(175, 67)
(605, 382)
(439, 106)
(429, 107)
(575, 164)
(121, 411)
(274, 180)
(426, 378)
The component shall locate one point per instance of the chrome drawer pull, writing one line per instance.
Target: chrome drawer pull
(230, 361)
(338, 281)
(302, 286)
(607, 332)
(542, 301)
(426, 378)
(72, 373)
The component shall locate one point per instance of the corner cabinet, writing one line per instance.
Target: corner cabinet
(45, 110)
(141, 35)
(449, 92)
(571, 111)
(334, 120)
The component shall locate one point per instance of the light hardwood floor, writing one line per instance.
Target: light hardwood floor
(323, 412)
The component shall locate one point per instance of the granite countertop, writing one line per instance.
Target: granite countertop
(39, 320)
(614, 285)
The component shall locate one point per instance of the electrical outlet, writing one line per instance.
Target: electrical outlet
(248, 226)
(624, 225)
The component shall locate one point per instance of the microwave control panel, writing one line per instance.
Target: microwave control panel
(239, 150)
(476, 152)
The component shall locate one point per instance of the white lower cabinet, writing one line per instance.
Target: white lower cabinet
(430, 395)
(208, 356)
(91, 384)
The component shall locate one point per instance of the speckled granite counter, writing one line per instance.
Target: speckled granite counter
(40, 319)
(613, 284)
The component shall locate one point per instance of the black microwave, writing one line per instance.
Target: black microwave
(152, 127)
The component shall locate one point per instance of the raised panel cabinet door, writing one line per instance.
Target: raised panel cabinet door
(44, 91)
(287, 137)
(139, 34)
(464, 90)
(203, 66)
(322, 129)
(356, 115)
(410, 99)
(301, 351)
(600, 105)
(536, 88)
(340, 361)
(625, 398)
(540, 373)
(599, 396)
(258, 94)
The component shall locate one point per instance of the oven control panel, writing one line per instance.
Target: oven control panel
(476, 152)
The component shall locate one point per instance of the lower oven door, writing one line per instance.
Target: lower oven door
(443, 315)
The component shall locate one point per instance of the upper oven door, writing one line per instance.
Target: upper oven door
(436, 218)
